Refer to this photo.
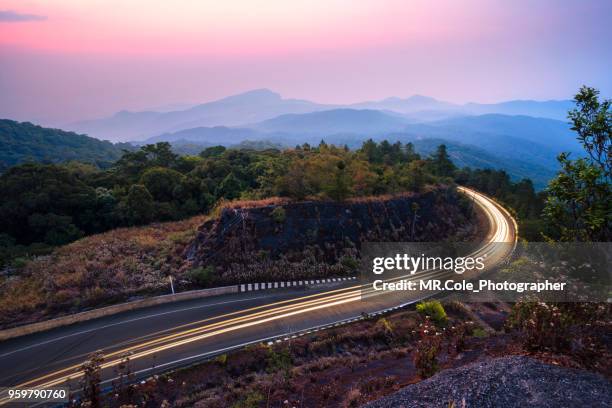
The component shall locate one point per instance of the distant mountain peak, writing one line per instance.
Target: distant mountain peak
(421, 98)
(262, 94)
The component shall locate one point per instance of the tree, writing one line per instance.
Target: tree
(370, 150)
(160, 154)
(230, 188)
(293, 182)
(91, 379)
(413, 176)
(441, 164)
(592, 121)
(214, 151)
(410, 154)
(341, 187)
(579, 201)
(579, 197)
(161, 182)
(132, 164)
(138, 205)
(57, 197)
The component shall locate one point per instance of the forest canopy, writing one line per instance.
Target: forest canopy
(25, 142)
(45, 205)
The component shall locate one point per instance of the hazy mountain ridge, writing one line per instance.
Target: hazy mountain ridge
(24, 141)
(211, 135)
(248, 107)
(335, 121)
(464, 155)
(262, 104)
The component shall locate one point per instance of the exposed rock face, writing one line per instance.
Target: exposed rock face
(507, 382)
(306, 239)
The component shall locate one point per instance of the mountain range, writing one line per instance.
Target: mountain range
(248, 107)
(523, 137)
(259, 105)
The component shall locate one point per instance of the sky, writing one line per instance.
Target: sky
(67, 60)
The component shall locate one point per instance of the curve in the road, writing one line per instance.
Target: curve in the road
(224, 331)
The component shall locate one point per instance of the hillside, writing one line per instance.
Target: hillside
(546, 132)
(358, 122)
(424, 108)
(207, 136)
(464, 155)
(20, 142)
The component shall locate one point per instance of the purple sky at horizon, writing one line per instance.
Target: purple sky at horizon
(66, 60)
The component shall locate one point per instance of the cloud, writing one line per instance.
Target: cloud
(8, 16)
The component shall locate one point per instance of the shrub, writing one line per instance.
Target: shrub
(425, 355)
(20, 262)
(349, 263)
(250, 400)
(279, 361)
(457, 308)
(279, 214)
(433, 309)
(579, 329)
(459, 333)
(385, 324)
(480, 332)
(221, 359)
(201, 276)
(542, 326)
(252, 359)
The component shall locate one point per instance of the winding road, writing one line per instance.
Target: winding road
(178, 334)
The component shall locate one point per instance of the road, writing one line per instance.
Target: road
(167, 336)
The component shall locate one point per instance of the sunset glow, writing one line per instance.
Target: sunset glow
(330, 51)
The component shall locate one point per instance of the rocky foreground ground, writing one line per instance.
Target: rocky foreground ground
(515, 381)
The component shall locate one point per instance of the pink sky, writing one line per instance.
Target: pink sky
(71, 59)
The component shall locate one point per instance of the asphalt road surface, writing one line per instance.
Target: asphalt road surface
(171, 335)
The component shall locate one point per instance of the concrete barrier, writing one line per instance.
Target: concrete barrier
(152, 301)
(114, 309)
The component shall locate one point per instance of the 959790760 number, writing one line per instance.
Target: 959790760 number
(8, 394)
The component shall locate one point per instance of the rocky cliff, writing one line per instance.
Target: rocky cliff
(321, 238)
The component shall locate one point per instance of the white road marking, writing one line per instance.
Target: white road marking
(126, 321)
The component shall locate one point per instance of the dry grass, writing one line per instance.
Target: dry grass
(254, 203)
(97, 270)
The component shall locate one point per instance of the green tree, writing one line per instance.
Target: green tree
(138, 206)
(293, 182)
(578, 201)
(441, 164)
(160, 154)
(161, 182)
(57, 197)
(230, 188)
(341, 187)
(214, 151)
(592, 121)
(579, 197)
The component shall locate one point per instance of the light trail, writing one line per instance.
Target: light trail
(502, 232)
